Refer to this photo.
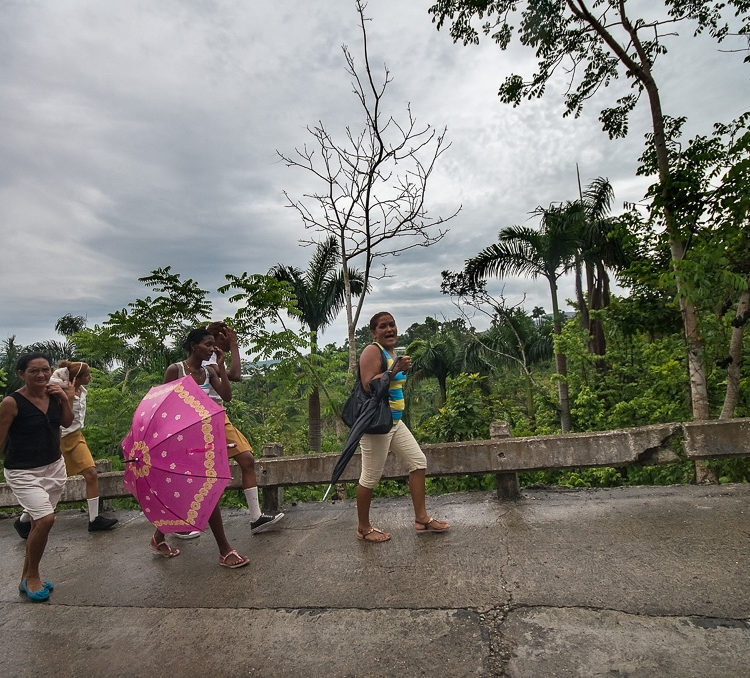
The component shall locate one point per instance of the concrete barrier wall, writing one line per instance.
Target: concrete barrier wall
(644, 445)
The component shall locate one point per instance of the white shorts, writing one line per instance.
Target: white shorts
(375, 449)
(37, 489)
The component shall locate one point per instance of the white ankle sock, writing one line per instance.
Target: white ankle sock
(251, 496)
(93, 508)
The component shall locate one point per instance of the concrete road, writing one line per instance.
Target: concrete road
(622, 582)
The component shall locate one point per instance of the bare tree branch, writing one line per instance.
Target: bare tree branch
(372, 184)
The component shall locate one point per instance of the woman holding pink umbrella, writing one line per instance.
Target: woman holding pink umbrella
(200, 345)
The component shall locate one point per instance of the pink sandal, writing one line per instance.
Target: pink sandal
(244, 560)
(163, 549)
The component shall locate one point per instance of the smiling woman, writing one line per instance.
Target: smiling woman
(399, 440)
(30, 419)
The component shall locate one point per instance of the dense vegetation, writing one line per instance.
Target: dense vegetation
(670, 347)
(463, 379)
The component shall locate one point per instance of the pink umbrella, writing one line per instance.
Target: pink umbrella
(176, 464)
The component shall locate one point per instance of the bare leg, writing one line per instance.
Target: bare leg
(364, 499)
(417, 491)
(421, 517)
(247, 466)
(35, 545)
(216, 524)
(365, 530)
(92, 482)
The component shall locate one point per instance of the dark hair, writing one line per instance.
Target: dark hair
(376, 317)
(26, 358)
(195, 337)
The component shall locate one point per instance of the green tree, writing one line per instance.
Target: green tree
(439, 356)
(10, 352)
(319, 293)
(598, 42)
(602, 247)
(69, 324)
(464, 416)
(150, 327)
(547, 252)
(513, 340)
(54, 350)
(711, 183)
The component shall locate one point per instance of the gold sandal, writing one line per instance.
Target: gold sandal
(365, 535)
(430, 526)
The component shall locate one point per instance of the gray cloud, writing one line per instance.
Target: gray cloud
(141, 134)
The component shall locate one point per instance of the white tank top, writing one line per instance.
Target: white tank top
(206, 387)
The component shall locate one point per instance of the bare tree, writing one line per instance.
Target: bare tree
(372, 184)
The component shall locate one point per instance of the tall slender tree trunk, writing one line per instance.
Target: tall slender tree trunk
(678, 247)
(561, 364)
(583, 307)
(735, 355)
(314, 436)
(530, 407)
(598, 301)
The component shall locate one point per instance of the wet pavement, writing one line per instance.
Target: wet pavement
(618, 582)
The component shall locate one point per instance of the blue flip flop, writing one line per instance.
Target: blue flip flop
(37, 596)
(47, 585)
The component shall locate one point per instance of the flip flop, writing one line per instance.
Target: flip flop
(430, 526)
(244, 560)
(37, 596)
(158, 548)
(46, 584)
(364, 535)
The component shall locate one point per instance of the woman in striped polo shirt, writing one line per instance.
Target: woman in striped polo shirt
(399, 440)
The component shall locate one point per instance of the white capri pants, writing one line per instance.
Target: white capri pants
(375, 449)
(38, 489)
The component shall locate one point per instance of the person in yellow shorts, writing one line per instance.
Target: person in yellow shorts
(238, 447)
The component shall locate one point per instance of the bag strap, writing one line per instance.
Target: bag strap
(383, 361)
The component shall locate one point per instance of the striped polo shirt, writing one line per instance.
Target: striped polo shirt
(396, 391)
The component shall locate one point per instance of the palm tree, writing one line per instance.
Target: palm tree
(320, 297)
(547, 252)
(10, 352)
(601, 247)
(54, 350)
(440, 356)
(69, 324)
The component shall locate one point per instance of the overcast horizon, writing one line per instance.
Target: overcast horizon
(140, 135)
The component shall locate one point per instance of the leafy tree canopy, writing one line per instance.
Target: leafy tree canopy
(594, 42)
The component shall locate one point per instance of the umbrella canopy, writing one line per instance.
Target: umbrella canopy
(378, 391)
(176, 464)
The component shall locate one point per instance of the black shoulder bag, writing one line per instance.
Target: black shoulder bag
(382, 418)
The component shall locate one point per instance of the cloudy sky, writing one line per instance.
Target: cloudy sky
(140, 133)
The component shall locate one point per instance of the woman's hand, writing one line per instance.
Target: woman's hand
(401, 364)
(70, 389)
(231, 336)
(219, 355)
(57, 391)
